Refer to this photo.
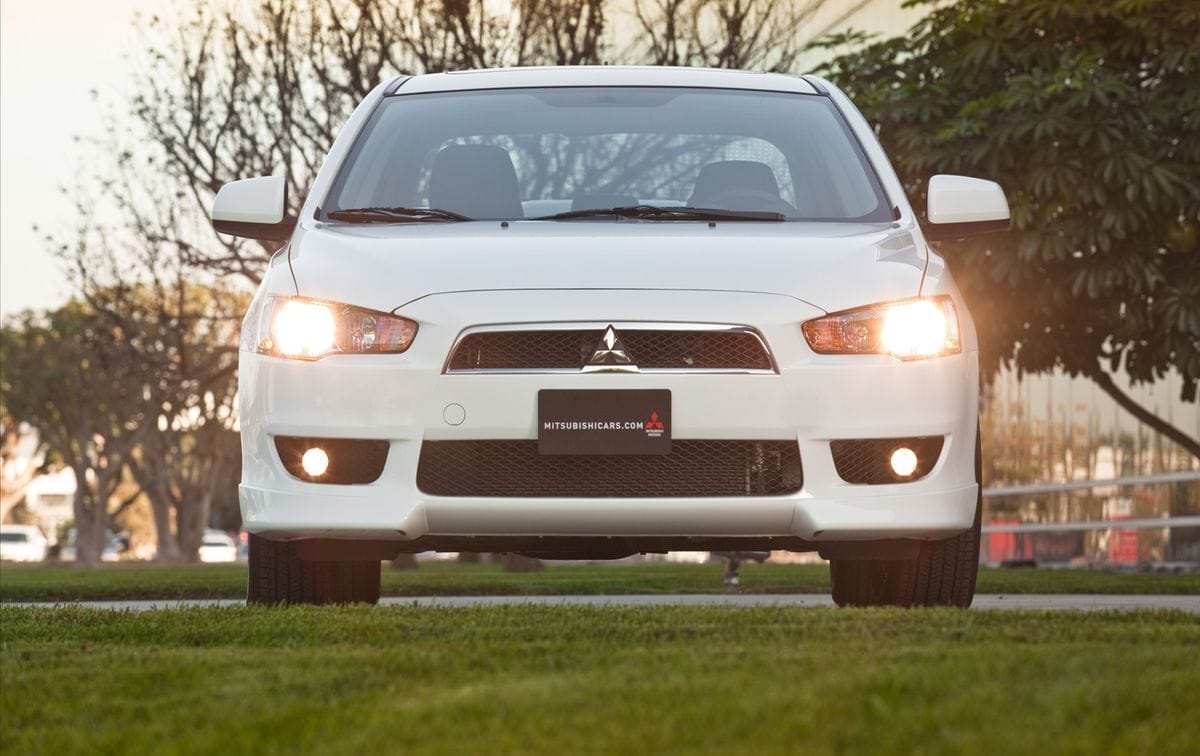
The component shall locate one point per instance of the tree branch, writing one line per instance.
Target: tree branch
(1108, 386)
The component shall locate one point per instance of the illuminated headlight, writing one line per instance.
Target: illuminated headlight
(910, 329)
(309, 329)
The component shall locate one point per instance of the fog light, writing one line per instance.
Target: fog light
(315, 462)
(904, 461)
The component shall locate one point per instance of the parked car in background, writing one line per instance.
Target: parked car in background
(217, 546)
(22, 543)
(115, 547)
(587, 312)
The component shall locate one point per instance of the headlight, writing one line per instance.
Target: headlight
(309, 329)
(910, 329)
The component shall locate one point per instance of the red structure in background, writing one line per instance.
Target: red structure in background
(998, 547)
(1123, 545)
(1042, 547)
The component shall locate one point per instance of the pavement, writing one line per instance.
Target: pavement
(1073, 602)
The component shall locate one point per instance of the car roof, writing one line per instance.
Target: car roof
(601, 76)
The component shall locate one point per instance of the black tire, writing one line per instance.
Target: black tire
(942, 574)
(278, 575)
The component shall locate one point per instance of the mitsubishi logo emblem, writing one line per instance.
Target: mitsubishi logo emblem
(610, 355)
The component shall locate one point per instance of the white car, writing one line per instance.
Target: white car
(588, 312)
(218, 546)
(22, 543)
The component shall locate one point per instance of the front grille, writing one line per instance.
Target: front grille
(351, 460)
(692, 469)
(649, 349)
(868, 460)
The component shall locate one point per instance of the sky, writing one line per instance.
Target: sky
(53, 54)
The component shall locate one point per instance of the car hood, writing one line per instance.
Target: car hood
(832, 266)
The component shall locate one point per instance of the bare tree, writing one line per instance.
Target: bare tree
(741, 34)
(231, 94)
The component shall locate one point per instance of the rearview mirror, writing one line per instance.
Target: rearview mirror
(962, 206)
(253, 208)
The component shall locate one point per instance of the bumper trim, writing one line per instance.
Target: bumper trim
(361, 512)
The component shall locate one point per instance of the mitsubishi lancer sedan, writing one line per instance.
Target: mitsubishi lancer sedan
(583, 313)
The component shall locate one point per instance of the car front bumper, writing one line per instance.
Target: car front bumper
(812, 399)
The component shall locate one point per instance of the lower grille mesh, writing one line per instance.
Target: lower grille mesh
(692, 469)
(868, 460)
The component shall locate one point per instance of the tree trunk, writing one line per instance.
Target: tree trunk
(191, 520)
(168, 546)
(1108, 386)
(91, 524)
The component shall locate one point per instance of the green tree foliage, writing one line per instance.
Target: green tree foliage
(72, 374)
(1089, 115)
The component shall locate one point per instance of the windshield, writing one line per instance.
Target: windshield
(530, 153)
(14, 538)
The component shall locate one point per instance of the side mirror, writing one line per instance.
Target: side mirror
(962, 206)
(253, 209)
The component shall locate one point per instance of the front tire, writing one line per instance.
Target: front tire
(278, 575)
(942, 574)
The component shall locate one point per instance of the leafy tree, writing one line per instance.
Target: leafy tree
(1087, 114)
(72, 375)
(182, 330)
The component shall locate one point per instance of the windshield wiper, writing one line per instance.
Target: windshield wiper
(394, 215)
(655, 212)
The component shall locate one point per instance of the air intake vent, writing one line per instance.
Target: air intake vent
(692, 469)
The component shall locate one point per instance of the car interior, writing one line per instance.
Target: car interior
(480, 181)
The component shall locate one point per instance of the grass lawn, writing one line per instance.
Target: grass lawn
(561, 680)
(148, 581)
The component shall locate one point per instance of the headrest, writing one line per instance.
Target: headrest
(729, 177)
(476, 180)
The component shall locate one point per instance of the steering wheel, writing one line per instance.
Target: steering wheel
(745, 199)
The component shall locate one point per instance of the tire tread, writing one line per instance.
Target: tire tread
(277, 575)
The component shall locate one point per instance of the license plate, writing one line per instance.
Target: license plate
(604, 421)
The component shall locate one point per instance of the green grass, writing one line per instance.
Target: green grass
(558, 680)
(148, 581)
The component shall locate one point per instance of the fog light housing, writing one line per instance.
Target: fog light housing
(333, 461)
(315, 462)
(903, 461)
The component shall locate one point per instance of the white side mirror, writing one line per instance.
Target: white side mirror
(963, 206)
(253, 208)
